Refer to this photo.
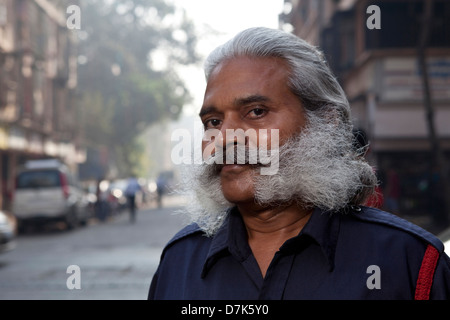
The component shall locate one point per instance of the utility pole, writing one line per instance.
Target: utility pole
(438, 160)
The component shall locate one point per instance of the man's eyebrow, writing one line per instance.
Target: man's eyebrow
(250, 99)
(238, 102)
(208, 110)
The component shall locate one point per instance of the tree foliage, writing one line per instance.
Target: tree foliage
(122, 89)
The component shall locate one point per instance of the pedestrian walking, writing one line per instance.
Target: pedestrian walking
(160, 189)
(133, 187)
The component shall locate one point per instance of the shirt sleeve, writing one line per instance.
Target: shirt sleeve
(152, 290)
(441, 281)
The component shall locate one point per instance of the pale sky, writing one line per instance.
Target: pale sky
(227, 17)
(231, 16)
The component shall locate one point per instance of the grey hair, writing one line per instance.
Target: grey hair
(310, 79)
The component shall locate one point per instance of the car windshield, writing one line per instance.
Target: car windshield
(38, 179)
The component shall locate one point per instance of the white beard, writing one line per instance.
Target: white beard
(317, 168)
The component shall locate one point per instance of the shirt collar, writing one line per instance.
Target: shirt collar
(231, 238)
(322, 228)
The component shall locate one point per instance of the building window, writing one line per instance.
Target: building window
(401, 25)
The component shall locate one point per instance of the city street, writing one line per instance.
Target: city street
(116, 259)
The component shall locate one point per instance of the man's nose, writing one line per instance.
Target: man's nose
(231, 134)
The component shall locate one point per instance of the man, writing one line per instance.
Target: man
(133, 187)
(301, 232)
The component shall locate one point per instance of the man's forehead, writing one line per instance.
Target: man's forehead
(243, 62)
(242, 79)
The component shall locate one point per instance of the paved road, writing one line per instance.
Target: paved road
(117, 259)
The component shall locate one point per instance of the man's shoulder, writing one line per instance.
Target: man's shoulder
(189, 232)
(395, 224)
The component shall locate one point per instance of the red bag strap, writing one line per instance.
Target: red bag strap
(426, 273)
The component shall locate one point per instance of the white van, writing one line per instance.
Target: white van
(47, 191)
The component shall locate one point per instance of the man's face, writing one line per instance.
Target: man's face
(248, 93)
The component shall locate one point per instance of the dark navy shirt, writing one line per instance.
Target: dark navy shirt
(361, 254)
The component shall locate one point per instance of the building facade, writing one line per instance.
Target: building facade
(379, 69)
(38, 78)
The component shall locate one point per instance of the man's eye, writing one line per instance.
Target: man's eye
(257, 112)
(212, 123)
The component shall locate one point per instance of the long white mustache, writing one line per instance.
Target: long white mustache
(243, 150)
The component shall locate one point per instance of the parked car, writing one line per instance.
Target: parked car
(8, 230)
(47, 191)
